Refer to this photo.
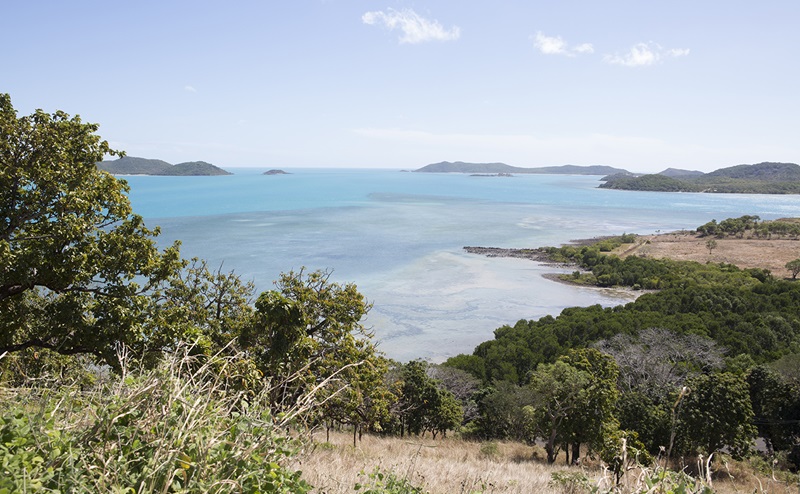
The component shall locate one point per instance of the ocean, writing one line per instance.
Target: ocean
(399, 236)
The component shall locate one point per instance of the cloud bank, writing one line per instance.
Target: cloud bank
(415, 29)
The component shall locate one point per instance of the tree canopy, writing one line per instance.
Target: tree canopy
(77, 267)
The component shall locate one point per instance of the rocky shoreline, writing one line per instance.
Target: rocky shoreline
(531, 254)
(538, 254)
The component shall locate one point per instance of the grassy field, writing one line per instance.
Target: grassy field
(456, 466)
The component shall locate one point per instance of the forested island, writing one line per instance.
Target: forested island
(126, 368)
(760, 178)
(498, 168)
(128, 165)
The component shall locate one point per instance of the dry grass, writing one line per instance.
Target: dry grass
(439, 466)
(742, 252)
(455, 466)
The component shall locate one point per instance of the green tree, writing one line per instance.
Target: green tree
(77, 267)
(505, 412)
(561, 391)
(365, 402)
(776, 406)
(711, 244)
(424, 406)
(209, 308)
(587, 424)
(793, 267)
(306, 331)
(717, 413)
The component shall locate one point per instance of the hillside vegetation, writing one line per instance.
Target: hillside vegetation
(761, 178)
(128, 165)
(462, 167)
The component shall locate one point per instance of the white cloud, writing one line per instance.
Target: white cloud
(555, 45)
(643, 54)
(189, 89)
(415, 29)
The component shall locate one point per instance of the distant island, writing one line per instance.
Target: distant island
(491, 175)
(760, 178)
(128, 165)
(496, 168)
(275, 172)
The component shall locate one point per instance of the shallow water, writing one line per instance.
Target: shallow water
(399, 237)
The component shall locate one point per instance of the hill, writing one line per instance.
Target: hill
(677, 172)
(768, 172)
(462, 167)
(196, 168)
(129, 165)
(652, 182)
(760, 178)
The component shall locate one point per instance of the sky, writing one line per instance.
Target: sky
(641, 85)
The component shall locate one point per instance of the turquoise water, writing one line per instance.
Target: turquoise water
(399, 237)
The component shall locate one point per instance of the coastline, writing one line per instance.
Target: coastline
(540, 256)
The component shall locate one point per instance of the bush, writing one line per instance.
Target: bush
(176, 428)
(387, 483)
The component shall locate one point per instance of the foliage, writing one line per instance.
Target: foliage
(761, 178)
(776, 407)
(591, 421)
(506, 412)
(424, 406)
(209, 308)
(176, 428)
(704, 318)
(361, 398)
(309, 328)
(463, 385)
(656, 361)
(561, 391)
(650, 182)
(381, 482)
(739, 312)
(650, 420)
(793, 267)
(716, 413)
(76, 265)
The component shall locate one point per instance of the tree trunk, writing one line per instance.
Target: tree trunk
(550, 447)
(576, 453)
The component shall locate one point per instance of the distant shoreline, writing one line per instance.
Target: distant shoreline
(681, 245)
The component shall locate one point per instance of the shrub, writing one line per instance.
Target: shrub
(176, 428)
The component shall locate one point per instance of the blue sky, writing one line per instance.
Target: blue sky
(642, 85)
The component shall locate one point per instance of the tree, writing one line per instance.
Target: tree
(776, 406)
(423, 405)
(77, 267)
(461, 384)
(305, 331)
(209, 308)
(711, 244)
(656, 361)
(560, 391)
(506, 412)
(365, 401)
(587, 424)
(793, 267)
(717, 413)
